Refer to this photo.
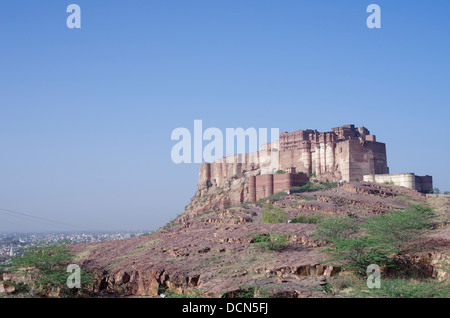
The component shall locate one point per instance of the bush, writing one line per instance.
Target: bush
(309, 219)
(251, 291)
(328, 185)
(272, 198)
(400, 227)
(277, 196)
(271, 214)
(309, 187)
(334, 228)
(280, 172)
(270, 241)
(357, 253)
(385, 235)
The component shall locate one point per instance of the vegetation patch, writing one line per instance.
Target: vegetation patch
(309, 219)
(253, 291)
(273, 198)
(315, 186)
(270, 241)
(44, 269)
(271, 214)
(380, 238)
(404, 288)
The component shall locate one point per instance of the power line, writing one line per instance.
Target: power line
(40, 219)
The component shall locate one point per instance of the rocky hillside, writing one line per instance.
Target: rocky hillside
(212, 250)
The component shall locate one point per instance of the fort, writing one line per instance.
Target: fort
(346, 153)
(422, 184)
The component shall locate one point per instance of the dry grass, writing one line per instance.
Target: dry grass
(83, 254)
(441, 206)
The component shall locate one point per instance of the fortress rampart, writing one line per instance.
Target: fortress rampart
(263, 186)
(345, 152)
(422, 184)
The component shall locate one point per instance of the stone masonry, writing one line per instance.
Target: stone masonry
(346, 152)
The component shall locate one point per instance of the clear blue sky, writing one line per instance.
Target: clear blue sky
(86, 115)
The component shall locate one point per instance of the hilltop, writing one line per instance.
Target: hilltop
(216, 253)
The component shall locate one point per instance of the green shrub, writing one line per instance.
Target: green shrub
(334, 228)
(399, 227)
(245, 292)
(280, 172)
(250, 291)
(328, 185)
(270, 214)
(47, 264)
(272, 198)
(385, 235)
(357, 253)
(309, 219)
(309, 187)
(270, 241)
(277, 196)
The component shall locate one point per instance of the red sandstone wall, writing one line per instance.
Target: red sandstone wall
(424, 184)
(282, 182)
(367, 158)
(339, 152)
(299, 179)
(263, 186)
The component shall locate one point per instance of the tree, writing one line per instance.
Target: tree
(382, 237)
(46, 264)
(358, 253)
(270, 214)
(335, 228)
(399, 227)
(271, 241)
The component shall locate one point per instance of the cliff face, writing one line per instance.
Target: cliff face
(345, 152)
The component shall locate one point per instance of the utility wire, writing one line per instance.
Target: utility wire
(40, 219)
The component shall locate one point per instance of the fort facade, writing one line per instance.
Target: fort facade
(422, 184)
(345, 152)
